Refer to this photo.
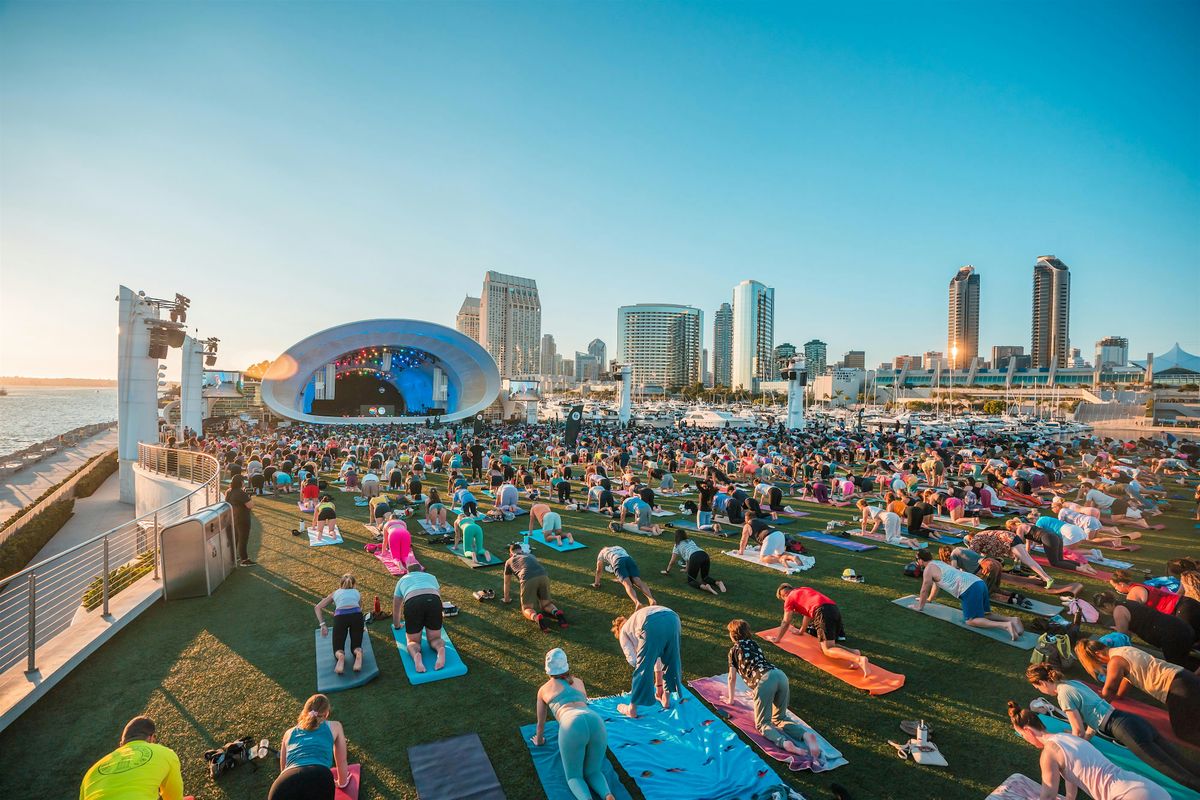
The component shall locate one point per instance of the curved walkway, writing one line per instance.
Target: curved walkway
(26, 485)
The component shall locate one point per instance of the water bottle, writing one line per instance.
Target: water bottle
(922, 733)
(300, 527)
(525, 542)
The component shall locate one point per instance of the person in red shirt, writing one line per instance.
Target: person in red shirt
(1156, 598)
(826, 620)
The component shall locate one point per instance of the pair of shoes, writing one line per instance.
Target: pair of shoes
(245, 562)
(484, 594)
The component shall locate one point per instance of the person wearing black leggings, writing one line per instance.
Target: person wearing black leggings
(306, 754)
(347, 621)
(1052, 546)
(1168, 633)
(1087, 712)
(696, 562)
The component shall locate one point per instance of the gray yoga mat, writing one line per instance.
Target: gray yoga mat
(330, 681)
(954, 616)
(457, 768)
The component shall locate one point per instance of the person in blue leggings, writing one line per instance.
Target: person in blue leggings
(649, 639)
(582, 738)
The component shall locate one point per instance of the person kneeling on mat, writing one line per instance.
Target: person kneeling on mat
(582, 738)
(472, 539)
(649, 639)
(970, 590)
(1077, 762)
(695, 560)
(771, 544)
(1090, 714)
(533, 587)
(417, 602)
(307, 752)
(398, 540)
(826, 620)
(325, 516)
(622, 565)
(769, 687)
(140, 769)
(890, 520)
(347, 621)
(642, 514)
(540, 515)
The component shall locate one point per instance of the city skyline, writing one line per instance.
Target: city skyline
(326, 158)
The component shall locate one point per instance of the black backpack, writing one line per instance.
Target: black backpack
(223, 759)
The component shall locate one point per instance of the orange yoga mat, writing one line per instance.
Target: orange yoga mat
(877, 680)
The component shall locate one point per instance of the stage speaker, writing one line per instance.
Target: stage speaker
(175, 337)
(434, 412)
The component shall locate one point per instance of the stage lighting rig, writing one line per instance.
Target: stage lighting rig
(210, 351)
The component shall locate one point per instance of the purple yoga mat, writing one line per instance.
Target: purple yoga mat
(741, 716)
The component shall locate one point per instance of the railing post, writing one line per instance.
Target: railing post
(157, 549)
(189, 505)
(31, 645)
(104, 579)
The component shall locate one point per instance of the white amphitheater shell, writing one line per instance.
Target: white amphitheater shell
(470, 370)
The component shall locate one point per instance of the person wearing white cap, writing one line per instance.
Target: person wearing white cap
(582, 738)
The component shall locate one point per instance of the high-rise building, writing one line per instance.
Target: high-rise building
(784, 354)
(962, 330)
(1075, 360)
(661, 343)
(932, 359)
(599, 350)
(546, 355)
(854, 359)
(1001, 353)
(467, 320)
(1051, 335)
(753, 335)
(911, 362)
(558, 365)
(705, 373)
(1112, 351)
(587, 367)
(568, 367)
(510, 323)
(816, 357)
(722, 352)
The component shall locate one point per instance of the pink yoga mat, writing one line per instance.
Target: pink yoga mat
(351, 790)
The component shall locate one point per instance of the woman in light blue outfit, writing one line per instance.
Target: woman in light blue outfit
(582, 739)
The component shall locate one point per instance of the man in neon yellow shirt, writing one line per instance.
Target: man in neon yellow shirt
(140, 769)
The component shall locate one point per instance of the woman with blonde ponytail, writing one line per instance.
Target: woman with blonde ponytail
(307, 752)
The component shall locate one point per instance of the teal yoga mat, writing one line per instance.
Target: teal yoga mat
(454, 663)
(537, 536)
(471, 562)
(548, 764)
(685, 751)
(954, 616)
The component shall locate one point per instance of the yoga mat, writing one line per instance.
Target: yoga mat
(389, 563)
(427, 526)
(879, 537)
(1018, 787)
(537, 536)
(1124, 759)
(662, 513)
(690, 525)
(684, 751)
(1104, 561)
(548, 764)
(836, 541)
(741, 715)
(1034, 607)
(774, 523)
(351, 790)
(320, 540)
(470, 561)
(1157, 716)
(631, 527)
(954, 616)
(454, 663)
(877, 680)
(308, 508)
(785, 513)
(457, 768)
(751, 557)
(330, 681)
(1099, 576)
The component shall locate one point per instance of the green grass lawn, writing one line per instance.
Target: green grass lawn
(241, 663)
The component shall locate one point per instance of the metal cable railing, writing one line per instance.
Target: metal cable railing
(45, 599)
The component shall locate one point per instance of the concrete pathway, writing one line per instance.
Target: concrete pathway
(93, 515)
(22, 488)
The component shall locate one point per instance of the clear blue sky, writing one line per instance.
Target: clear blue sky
(291, 166)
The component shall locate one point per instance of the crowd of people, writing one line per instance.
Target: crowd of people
(1038, 504)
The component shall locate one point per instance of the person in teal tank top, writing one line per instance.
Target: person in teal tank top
(307, 752)
(582, 738)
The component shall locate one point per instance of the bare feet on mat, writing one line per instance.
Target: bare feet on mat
(628, 709)
(340, 666)
(358, 658)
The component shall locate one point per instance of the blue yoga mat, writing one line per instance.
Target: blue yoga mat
(684, 751)
(1125, 759)
(548, 765)
(454, 663)
(836, 541)
(537, 536)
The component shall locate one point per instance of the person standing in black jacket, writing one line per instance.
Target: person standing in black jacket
(241, 501)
